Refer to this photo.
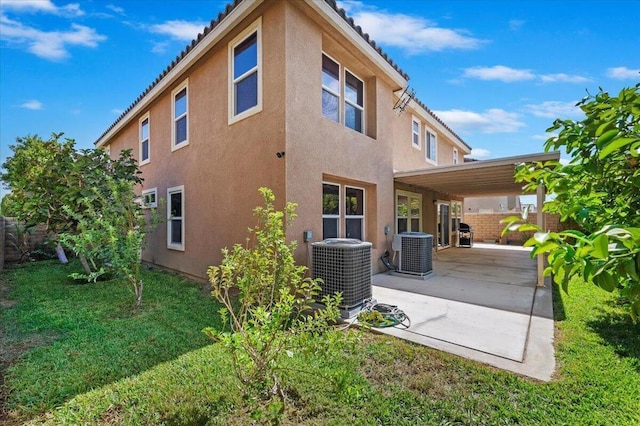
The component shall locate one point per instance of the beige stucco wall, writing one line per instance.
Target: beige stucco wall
(406, 156)
(319, 149)
(223, 165)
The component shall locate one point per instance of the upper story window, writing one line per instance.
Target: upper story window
(330, 89)
(245, 85)
(353, 102)
(180, 110)
(430, 146)
(347, 92)
(455, 155)
(415, 133)
(144, 139)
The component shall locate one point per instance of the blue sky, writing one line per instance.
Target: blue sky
(498, 72)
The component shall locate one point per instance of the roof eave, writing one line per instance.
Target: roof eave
(340, 25)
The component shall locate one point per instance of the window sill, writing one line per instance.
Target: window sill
(419, 148)
(175, 247)
(431, 161)
(181, 145)
(147, 161)
(245, 114)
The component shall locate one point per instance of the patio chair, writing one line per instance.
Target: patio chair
(465, 235)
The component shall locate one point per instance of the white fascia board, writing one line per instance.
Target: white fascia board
(223, 28)
(483, 164)
(345, 29)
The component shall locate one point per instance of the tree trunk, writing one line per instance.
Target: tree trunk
(61, 256)
(85, 265)
(138, 286)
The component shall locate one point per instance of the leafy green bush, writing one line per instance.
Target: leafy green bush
(271, 317)
(111, 233)
(599, 190)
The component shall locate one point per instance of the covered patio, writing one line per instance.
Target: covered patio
(488, 303)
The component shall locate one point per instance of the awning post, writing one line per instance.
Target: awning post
(540, 218)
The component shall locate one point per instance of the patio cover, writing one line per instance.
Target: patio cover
(473, 179)
(481, 179)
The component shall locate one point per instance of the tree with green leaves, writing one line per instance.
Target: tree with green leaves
(267, 305)
(599, 190)
(45, 175)
(111, 231)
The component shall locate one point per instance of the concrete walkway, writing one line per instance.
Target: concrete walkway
(480, 303)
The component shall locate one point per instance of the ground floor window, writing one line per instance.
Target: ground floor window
(175, 218)
(343, 211)
(408, 212)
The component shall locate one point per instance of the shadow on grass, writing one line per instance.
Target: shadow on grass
(559, 313)
(613, 324)
(97, 340)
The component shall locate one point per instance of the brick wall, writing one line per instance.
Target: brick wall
(9, 251)
(487, 226)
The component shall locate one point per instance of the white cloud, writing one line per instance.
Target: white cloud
(563, 78)
(50, 45)
(515, 24)
(480, 153)
(116, 111)
(116, 9)
(178, 29)
(493, 120)
(544, 137)
(623, 73)
(510, 75)
(32, 104)
(499, 72)
(555, 109)
(411, 33)
(159, 47)
(564, 161)
(45, 6)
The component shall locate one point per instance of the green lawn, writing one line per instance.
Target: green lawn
(78, 357)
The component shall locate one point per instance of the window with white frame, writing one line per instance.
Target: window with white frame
(180, 111)
(342, 99)
(245, 61)
(175, 218)
(144, 139)
(430, 145)
(150, 198)
(415, 132)
(330, 89)
(408, 212)
(455, 155)
(330, 210)
(343, 211)
(354, 212)
(353, 102)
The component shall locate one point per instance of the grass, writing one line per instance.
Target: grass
(87, 361)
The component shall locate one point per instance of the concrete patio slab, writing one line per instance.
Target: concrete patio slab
(480, 303)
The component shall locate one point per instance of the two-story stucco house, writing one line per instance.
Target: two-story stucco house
(290, 95)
